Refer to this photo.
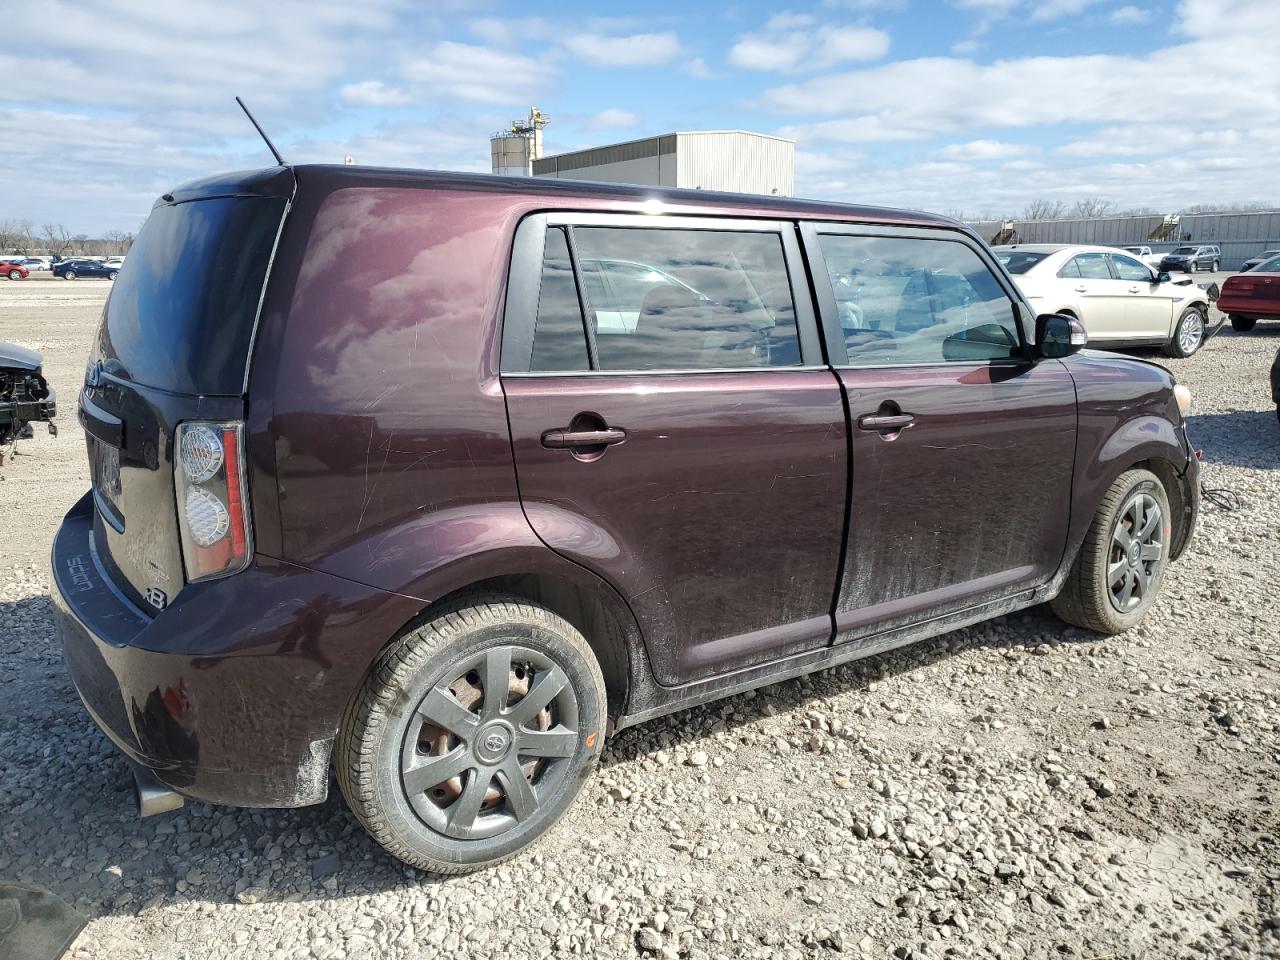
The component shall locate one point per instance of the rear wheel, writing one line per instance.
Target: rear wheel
(1188, 335)
(1243, 324)
(472, 734)
(1120, 566)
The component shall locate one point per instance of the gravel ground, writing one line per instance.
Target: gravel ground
(1012, 790)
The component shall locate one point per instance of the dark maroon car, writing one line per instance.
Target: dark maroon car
(441, 479)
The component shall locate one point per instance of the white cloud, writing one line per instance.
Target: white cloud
(373, 93)
(613, 119)
(476, 74)
(1130, 14)
(1056, 9)
(985, 150)
(794, 41)
(638, 49)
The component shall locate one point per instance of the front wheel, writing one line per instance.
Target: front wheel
(1188, 335)
(472, 734)
(1216, 265)
(1242, 324)
(1118, 571)
(69, 275)
(15, 275)
(112, 275)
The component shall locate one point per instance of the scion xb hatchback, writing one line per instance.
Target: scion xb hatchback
(440, 479)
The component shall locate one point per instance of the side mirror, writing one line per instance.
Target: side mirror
(1059, 336)
(1163, 277)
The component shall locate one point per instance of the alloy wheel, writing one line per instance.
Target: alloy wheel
(1137, 552)
(489, 743)
(1190, 331)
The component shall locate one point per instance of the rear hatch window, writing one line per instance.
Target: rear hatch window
(182, 312)
(174, 345)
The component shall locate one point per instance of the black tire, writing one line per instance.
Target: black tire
(432, 670)
(14, 275)
(1242, 324)
(1086, 597)
(112, 275)
(1188, 335)
(1217, 264)
(69, 275)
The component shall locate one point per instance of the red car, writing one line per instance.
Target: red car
(1249, 297)
(14, 271)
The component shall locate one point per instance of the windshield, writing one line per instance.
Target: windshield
(1184, 250)
(1019, 261)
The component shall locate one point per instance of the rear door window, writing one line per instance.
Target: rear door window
(688, 299)
(559, 341)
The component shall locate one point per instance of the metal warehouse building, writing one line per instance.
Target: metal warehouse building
(1241, 235)
(734, 160)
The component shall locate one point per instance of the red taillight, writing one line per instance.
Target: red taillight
(213, 516)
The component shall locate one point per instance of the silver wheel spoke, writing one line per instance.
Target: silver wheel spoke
(443, 709)
(544, 689)
(462, 814)
(430, 771)
(1150, 551)
(1152, 521)
(1122, 538)
(521, 799)
(558, 743)
(1116, 572)
(1140, 582)
(497, 681)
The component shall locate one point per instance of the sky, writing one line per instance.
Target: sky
(973, 107)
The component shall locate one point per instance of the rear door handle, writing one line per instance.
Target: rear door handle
(880, 422)
(569, 439)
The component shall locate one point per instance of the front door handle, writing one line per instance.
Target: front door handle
(1082, 289)
(1135, 289)
(884, 423)
(569, 439)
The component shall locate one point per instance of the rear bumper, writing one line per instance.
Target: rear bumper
(1248, 306)
(234, 693)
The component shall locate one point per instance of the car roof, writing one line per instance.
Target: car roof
(280, 181)
(1049, 248)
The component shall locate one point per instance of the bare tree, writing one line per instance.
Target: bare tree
(16, 236)
(1088, 207)
(1044, 210)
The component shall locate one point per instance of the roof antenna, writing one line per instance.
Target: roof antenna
(262, 133)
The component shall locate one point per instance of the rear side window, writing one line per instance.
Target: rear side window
(182, 312)
(688, 299)
(910, 301)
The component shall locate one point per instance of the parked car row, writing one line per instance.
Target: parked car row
(69, 268)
